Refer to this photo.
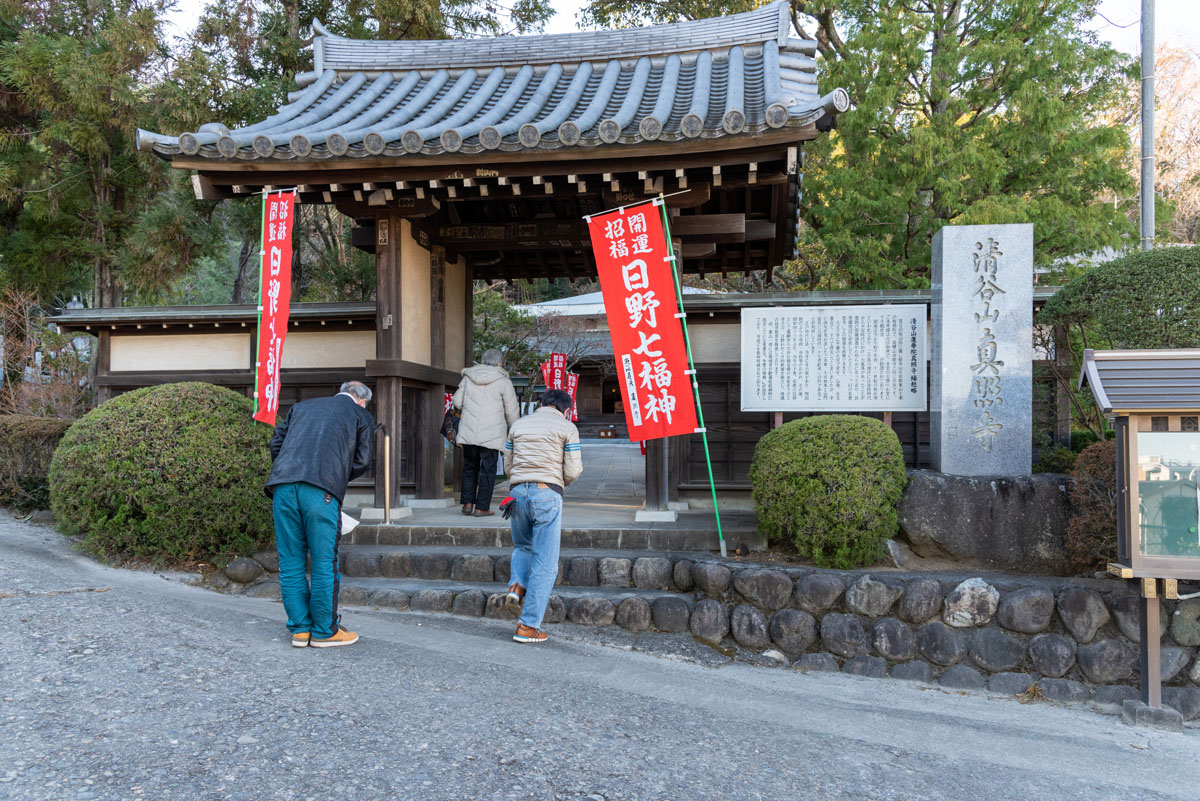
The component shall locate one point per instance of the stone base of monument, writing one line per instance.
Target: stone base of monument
(373, 514)
(655, 516)
(1005, 522)
(1137, 713)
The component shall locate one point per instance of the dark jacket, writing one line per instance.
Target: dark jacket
(324, 442)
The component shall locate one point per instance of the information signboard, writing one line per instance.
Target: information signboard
(834, 358)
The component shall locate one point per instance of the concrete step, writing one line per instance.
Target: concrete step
(669, 571)
(644, 537)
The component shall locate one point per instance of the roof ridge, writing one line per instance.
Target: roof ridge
(331, 51)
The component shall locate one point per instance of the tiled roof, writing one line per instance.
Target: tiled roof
(1142, 380)
(719, 77)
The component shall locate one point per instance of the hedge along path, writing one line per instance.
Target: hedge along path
(172, 473)
(27, 444)
(832, 484)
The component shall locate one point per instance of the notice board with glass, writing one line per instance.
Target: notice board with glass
(1163, 467)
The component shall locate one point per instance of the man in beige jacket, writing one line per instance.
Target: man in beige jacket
(489, 408)
(541, 457)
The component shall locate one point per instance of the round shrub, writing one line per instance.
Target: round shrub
(1092, 531)
(832, 483)
(172, 473)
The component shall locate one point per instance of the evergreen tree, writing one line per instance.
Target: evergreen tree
(964, 113)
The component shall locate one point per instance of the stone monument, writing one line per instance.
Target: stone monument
(981, 350)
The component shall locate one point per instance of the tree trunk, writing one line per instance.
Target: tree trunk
(243, 271)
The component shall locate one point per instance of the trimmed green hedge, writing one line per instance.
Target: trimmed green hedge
(26, 447)
(172, 473)
(832, 484)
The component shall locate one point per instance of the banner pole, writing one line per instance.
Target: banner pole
(262, 248)
(687, 342)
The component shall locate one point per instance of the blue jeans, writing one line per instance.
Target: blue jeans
(536, 525)
(306, 523)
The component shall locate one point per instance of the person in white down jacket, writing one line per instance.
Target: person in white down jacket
(489, 408)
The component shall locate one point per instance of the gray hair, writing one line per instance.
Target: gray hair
(492, 357)
(357, 389)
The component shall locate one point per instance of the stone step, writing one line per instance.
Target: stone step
(631, 608)
(645, 537)
(611, 569)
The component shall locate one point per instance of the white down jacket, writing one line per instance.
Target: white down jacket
(489, 407)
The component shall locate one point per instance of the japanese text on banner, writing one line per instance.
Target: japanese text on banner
(638, 283)
(276, 299)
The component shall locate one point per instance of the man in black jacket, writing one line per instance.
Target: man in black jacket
(317, 449)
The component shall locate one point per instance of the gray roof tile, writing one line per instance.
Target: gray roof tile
(725, 76)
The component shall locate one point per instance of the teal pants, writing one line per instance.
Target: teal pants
(308, 522)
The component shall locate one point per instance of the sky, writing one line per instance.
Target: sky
(1177, 21)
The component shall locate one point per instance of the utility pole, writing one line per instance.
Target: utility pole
(1147, 178)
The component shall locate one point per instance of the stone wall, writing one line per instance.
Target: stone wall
(1074, 639)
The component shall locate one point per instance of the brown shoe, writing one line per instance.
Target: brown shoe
(529, 634)
(515, 597)
(484, 513)
(342, 637)
(468, 508)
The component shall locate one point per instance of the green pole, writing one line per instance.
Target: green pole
(687, 342)
(262, 248)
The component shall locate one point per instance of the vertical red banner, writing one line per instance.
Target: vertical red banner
(558, 371)
(573, 391)
(275, 298)
(633, 259)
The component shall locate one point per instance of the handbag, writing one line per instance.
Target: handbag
(450, 425)
(450, 422)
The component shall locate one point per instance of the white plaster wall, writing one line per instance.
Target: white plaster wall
(153, 352)
(715, 342)
(415, 298)
(328, 349)
(456, 315)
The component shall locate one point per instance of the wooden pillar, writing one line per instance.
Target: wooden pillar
(388, 389)
(430, 464)
(1150, 658)
(656, 475)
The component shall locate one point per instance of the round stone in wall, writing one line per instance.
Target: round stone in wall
(816, 592)
(652, 573)
(614, 571)
(843, 635)
(1106, 661)
(941, 644)
(870, 666)
(972, 603)
(633, 614)
(893, 640)
(268, 559)
(712, 580)
(922, 601)
(1065, 690)
(1174, 661)
(766, 589)
(915, 670)
(1083, 613)
(591, 612)
(1185, 624)
(583, 571)
(961, 677)
(870, 597)
(556, 610)
(243, 570)
(709, 621)
(1184, 700)
(792, 630)
(1126, 612)
(995, 651)
(749, 627)
(1052, 654)
(470, 603)
(682, 575)
(818, 662)
(670, 614)
(1027, 610)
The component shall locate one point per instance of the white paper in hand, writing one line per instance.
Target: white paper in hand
(348, 523)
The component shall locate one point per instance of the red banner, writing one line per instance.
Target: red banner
(634, 262)
(554, 371)
(572, 390)
(447, 402)
(275, 296)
